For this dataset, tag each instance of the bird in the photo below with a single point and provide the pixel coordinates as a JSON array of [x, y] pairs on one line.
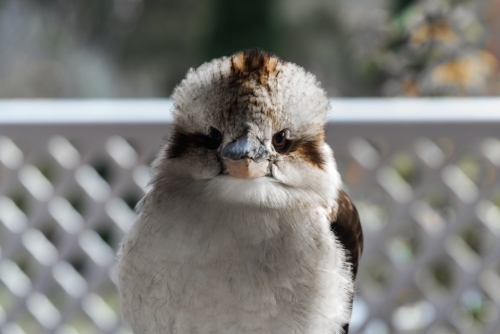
[[246, 227]]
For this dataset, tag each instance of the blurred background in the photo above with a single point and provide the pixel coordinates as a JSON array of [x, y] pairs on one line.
[[75, 149], [137, 48]]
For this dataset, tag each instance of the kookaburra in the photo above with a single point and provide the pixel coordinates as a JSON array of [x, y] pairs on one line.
[[246, 228]]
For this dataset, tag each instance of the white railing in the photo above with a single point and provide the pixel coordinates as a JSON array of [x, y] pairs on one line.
[[424, 174]]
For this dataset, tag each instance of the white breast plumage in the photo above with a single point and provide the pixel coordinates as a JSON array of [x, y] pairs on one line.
[[210, 277]]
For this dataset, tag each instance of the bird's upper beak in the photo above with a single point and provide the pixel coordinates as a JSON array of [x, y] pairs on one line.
[[245, 158]]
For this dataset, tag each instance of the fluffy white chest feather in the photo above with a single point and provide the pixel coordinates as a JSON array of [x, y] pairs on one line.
[[237, 270]]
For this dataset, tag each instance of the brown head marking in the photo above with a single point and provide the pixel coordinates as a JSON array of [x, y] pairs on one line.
[[254, 62], [181, 142], [309, 150]]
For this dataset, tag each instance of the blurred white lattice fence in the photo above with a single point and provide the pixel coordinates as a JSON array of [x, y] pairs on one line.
[[425, 176]]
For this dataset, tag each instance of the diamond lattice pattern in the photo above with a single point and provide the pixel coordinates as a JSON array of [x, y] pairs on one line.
[[428, 196]]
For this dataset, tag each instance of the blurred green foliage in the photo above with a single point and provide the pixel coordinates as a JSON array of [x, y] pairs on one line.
[[239, 25], [139, 48]]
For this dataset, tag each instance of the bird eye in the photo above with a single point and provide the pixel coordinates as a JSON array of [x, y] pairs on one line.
[[214, 139], [279, 140]]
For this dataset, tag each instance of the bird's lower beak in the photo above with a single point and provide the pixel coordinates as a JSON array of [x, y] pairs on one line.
[[246, 168], [245, 158]]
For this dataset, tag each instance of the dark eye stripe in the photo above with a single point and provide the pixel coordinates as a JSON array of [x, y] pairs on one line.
[[181, 142], [309, 150]]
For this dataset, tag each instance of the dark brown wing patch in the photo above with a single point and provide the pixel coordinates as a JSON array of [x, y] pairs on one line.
[[347, 227]]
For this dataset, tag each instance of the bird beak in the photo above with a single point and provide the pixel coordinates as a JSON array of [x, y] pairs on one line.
[[245, 158]]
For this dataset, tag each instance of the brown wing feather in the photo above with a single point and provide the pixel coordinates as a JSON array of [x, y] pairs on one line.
[[347, 227]]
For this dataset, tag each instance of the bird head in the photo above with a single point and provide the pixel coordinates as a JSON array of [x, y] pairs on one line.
[[249, 127]]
